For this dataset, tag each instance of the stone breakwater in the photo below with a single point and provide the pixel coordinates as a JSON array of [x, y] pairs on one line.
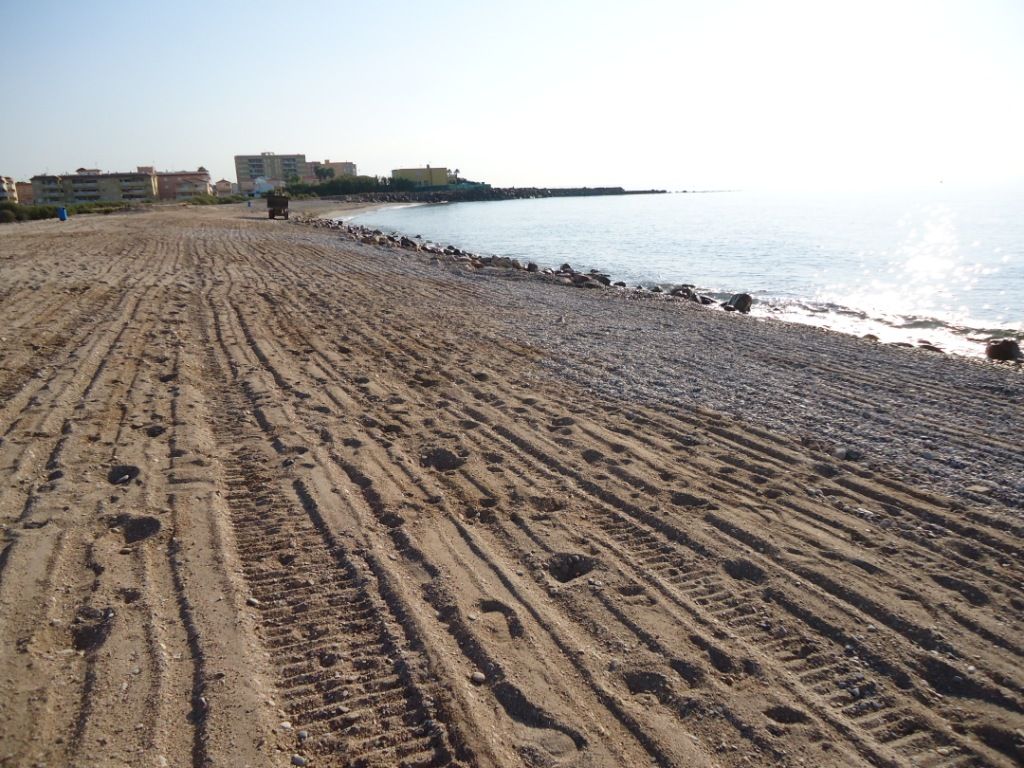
[[484, 193], [564, 275]]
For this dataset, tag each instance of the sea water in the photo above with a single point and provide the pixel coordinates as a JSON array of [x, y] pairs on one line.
[[941, 266]]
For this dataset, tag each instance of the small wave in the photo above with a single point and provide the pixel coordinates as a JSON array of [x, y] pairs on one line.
[[957, 338], [919, 323], [349, 217], [841, 288]]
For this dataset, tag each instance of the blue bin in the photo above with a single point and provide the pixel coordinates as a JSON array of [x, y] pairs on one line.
[[62, 214]]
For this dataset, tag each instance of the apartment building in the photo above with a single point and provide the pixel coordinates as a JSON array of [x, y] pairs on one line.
[[90, 185], [181, 185], [48, 190], [274, 169], [424, 177], [340, 168], [25, 194], [192, 187], [8, 190]]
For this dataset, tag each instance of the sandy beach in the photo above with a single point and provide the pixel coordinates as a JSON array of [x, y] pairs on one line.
[[272, 497]]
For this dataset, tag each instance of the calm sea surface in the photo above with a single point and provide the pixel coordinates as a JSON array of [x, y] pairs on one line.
[[942, 266]]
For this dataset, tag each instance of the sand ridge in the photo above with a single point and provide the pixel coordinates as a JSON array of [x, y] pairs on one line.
[[273, 497]]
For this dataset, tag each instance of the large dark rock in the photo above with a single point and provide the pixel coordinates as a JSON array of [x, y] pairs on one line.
[[1002, 349], [739, 302], [684, 292]]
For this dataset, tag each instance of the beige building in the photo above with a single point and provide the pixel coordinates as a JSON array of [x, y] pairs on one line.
[[90, 185], [425, 177], [8, 189], [181, 185], [48, 190], [340, 169], [189, 188], [224, 188], [272, 168], [25, 194]]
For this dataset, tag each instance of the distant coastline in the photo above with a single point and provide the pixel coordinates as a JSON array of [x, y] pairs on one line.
[[483, 193], [724, 254]]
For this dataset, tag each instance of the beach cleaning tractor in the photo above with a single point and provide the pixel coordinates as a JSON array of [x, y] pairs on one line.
[[277, 205]]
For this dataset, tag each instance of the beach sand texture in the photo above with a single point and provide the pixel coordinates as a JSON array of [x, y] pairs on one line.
[[273, 497]]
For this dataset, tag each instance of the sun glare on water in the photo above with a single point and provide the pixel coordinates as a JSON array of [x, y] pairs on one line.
[[925, 276]]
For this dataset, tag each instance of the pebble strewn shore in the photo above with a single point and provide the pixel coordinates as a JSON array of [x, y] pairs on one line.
[[950, 423]]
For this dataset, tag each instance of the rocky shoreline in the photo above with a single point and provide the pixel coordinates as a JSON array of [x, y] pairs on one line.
[[1003, 350], [563, 275]]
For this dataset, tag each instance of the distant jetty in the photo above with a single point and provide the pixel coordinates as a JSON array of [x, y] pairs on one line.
[[481, 192]]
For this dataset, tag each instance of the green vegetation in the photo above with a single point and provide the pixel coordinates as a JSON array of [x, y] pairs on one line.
[[19, 212], [14, 212], [100, 207], [352, 185]]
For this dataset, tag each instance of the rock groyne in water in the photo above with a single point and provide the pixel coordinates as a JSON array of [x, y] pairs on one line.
[[483, 193]]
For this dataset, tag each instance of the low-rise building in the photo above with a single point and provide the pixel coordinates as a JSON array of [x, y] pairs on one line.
[[423, 177], [268, 165], [343, 168], [224, 188], [181, 185], [90, 185], [25, 194], [48, 190], [8, 190], [189, 188]]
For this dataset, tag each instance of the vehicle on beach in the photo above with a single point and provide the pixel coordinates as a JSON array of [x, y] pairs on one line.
[[277, 205]]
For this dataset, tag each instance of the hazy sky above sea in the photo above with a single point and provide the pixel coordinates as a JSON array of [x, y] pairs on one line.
[[677, 95]]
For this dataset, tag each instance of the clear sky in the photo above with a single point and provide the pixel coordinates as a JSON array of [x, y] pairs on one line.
[[684, 94]]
